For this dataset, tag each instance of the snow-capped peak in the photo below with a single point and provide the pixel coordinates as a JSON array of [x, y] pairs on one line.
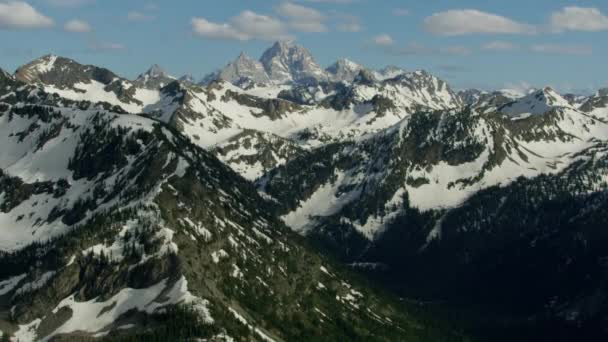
[[388, 72], [32, 71], [344, 70], [243, 68], [154, 78], [536, 103], [287, 62]]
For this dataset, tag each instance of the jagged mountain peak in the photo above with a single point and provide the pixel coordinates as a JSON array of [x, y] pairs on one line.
[[187, 78], [471, 96], [31, 71], [388, 72], [4, 74], [344, 70], [287, 62], [154, 78], [241, 69], [364, 77], [156, 70], [536, 103]]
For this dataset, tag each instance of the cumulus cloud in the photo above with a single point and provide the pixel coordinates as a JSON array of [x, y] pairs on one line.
[[578, 19], [18, 15], [246, 26], [562, 49], [302, 18], [471, 21], [69, 3], [499, 45], [77, 26], [383, 40], [348, 22]]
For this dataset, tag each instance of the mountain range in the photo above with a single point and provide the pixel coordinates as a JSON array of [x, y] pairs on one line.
[[263, 202]]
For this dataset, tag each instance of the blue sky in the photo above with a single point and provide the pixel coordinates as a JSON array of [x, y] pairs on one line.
[[487, 44]]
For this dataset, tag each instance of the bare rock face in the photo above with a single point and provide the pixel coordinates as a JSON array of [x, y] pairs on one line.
[[286, 62], [344, 70], [154, 78]]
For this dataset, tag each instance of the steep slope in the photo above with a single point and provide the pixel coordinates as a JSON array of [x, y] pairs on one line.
[[287, 62], [597, 105], [471, 96], [78, 82], [244, 68], [121, 228], [536, 103], [499, 217], [253, 153], [438, 158], [344, 70], [529, 256], [388, 72], [153, 78]]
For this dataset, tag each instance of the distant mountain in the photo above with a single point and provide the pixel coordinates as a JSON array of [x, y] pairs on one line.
[[288, 62], [72, 80], [116, 226], [154, 78], [536, 103], [121, 200], [471, 96], [597, 104], [344, 70], [244, 68], [187, 79], [388, 73]]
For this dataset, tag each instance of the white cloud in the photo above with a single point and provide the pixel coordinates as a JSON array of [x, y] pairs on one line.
[[562, 49], [69, 3], [499, 45], [578, 19], [77, 26], [246, 26], [15, 15], [302, 18], [347, 22], [401, 12], [469, 21], [522, 87], [204, 28], [383, 40], [139, 16]]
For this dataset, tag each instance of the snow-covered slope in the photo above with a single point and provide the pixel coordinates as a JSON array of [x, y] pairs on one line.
[[246, 68], [107, 221], [597, 105], [154, 79], [78, 82], [344, 70], [536, 103], [436, 159], [288, 62]]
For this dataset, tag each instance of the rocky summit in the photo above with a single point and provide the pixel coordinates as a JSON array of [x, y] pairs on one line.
[[277, 200]]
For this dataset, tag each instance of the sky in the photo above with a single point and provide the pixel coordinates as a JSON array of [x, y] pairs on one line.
[[487, 44]]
